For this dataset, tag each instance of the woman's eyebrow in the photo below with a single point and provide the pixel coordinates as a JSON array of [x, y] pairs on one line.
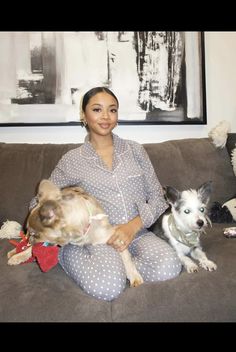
[[102, 105]]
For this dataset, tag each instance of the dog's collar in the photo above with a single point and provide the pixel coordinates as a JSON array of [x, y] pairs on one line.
[[87, 228], [189, 239], [92, 217]]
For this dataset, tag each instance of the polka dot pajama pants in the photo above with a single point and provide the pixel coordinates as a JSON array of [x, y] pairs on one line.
[[100, 272]]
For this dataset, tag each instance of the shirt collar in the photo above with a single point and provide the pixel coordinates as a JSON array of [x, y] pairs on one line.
[[120, 146]]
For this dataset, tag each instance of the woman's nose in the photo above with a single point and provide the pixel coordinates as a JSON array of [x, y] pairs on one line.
[[105, 114]]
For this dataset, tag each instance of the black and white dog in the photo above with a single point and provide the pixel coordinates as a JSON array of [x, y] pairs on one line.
[[184, 222]]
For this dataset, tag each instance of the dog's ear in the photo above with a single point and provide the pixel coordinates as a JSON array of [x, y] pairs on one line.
[[171, 194], [205, 191], [68, 196], [48, 190]]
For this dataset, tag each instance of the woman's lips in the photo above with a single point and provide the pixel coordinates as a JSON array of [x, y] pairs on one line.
[[104, 125]]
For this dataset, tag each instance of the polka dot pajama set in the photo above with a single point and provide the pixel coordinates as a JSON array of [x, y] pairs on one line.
[[131, 188]]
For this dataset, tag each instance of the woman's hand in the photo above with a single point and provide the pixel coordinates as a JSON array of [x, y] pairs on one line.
[[124, 234]]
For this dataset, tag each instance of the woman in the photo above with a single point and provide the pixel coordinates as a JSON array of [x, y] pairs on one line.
[[120, 175]]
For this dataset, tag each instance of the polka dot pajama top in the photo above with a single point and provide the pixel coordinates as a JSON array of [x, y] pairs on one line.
[[131, 188]]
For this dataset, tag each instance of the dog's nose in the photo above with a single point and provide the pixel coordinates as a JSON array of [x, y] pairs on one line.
[[200, 223]]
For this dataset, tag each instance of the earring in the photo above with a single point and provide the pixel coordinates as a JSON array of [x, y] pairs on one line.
[[84, 122]]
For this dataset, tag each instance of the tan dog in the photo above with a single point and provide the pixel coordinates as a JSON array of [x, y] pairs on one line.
[[72, 216]]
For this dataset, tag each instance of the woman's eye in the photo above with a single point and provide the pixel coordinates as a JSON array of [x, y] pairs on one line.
[[114, 111], [202, 209], [187, 211], [96, 109]]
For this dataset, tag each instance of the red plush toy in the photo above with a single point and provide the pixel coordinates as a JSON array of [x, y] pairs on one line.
[[45, 254]]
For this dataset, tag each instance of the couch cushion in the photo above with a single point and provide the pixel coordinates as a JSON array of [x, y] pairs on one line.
[[29, 295], [198, 297], [22, 168], [188, 163]]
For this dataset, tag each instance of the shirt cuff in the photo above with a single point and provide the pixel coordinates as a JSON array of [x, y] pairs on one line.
[[147, 216], [33, 203]]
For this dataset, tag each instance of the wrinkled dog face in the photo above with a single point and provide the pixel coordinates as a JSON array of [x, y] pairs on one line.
[[45, 222], [61, 216], [48, 191]]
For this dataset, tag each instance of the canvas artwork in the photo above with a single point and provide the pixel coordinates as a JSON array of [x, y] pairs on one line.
[[158, 77]]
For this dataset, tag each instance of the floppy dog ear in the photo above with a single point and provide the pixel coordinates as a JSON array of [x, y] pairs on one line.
[[171, 194], [48, 190], [205, 191]]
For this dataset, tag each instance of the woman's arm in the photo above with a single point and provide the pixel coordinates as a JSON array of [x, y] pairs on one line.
[[150, 208], [61, 175], [154, 205]]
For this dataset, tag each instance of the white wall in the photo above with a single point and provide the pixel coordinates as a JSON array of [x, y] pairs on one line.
[[220, 53]]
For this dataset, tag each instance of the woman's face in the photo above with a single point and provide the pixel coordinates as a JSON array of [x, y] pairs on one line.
[[101, 114]]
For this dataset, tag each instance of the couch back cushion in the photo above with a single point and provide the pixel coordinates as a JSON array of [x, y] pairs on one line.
[[187, 163], [22, 167], [180, 163]]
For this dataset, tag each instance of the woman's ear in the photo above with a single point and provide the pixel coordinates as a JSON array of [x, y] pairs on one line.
[[83, 119]]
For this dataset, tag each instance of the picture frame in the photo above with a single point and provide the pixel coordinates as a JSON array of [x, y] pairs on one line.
[[158, 77]]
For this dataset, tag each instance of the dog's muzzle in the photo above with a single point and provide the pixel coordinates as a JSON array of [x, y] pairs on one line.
[[200, 223]]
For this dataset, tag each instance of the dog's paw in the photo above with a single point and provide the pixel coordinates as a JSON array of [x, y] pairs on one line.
[[230, 232], [14, 260], [192, 268], [136, 282], [21, 257], [208, 265], [11, 253]]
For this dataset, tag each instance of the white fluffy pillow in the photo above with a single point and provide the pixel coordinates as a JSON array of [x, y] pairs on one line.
[[231, 205], [219, 134], [233, 160]]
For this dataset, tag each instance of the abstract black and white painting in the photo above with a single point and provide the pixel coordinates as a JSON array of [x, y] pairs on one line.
[[158, 77]]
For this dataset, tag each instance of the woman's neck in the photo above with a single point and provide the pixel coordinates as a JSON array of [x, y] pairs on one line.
[[104, 148], [101, 142]]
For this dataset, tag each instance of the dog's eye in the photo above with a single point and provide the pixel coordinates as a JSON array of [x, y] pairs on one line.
[[202, 209], [187, 211]]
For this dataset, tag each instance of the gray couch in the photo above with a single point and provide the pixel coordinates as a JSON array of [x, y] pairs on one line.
[[29, 295]]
